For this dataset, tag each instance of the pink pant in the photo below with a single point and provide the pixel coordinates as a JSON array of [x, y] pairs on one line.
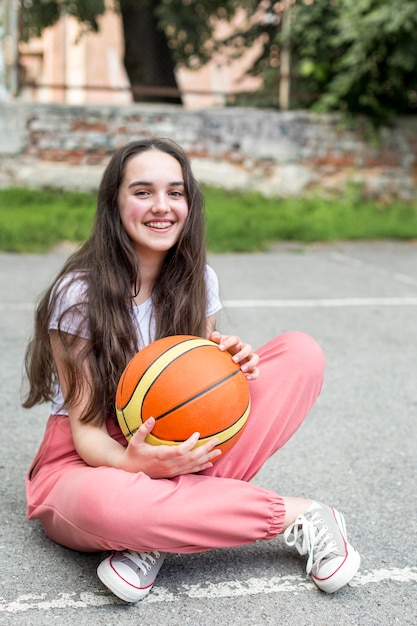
[[103, 508]]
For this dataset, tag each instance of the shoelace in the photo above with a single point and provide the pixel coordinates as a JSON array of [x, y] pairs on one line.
[[308, 538], [140, 559]]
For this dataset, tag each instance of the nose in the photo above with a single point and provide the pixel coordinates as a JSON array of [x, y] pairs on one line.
[[161, 204]]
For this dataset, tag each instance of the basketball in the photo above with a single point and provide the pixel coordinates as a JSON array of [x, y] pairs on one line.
[[188, 385]]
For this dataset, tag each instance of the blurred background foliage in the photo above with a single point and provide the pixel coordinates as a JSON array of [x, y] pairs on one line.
[[354, 56], [38, 220]]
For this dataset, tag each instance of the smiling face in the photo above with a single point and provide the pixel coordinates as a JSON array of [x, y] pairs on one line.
[[152, 202]]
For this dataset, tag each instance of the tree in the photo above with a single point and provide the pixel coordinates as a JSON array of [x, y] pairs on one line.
[[358, 56], [148, 59], [354, 56], [158, 35]]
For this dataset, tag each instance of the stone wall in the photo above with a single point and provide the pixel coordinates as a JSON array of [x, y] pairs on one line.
[[274, 152]]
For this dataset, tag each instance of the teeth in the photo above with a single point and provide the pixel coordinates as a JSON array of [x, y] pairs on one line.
[[160, 225]]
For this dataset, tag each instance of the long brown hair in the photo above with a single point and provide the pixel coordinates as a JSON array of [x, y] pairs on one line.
[[111, 271]]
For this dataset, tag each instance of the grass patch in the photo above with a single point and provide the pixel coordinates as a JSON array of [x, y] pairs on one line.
[[250, 222], [35, 221]]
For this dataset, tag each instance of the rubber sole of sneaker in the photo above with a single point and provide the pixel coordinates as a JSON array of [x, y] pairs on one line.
[[118, 586], [343, 575]]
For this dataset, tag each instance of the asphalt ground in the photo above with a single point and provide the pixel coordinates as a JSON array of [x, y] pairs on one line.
[[356, 450]]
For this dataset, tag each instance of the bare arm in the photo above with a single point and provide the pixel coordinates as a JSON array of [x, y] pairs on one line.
[[211, 325]]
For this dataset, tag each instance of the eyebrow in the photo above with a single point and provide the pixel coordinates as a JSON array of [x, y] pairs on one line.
[[144, 183]]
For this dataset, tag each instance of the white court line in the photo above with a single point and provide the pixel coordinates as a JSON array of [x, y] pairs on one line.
[[229, 589], [360, 263], [298, 303], [322, 302]]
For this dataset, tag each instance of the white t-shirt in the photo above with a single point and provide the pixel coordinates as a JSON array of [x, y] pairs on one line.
[[74, 294]]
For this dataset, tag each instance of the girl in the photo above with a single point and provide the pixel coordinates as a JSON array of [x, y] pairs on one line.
[[143, 275]]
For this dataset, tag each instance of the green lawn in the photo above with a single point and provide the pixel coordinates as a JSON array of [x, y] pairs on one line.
[[35, 221]]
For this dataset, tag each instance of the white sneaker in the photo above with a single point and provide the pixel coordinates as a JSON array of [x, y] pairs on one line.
[[321, 534], [130, 575]]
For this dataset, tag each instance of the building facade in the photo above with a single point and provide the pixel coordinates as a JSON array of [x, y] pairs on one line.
[[69, 66]]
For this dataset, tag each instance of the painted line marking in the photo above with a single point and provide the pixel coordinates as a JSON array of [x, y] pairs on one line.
[[406, 279], [279, 303], [230, 589], [322, 302]]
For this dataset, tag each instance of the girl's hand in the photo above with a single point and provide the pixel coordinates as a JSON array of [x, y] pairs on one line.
[[242, 353], [167, 461]]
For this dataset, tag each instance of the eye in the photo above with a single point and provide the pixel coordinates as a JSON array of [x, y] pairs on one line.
[[142, 193], [175, 193]]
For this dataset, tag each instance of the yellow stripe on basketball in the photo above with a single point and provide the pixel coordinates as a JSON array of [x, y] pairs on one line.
[[153, 371], [223, 436]]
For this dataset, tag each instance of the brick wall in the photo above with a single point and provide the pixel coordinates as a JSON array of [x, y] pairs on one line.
[[275, 152]]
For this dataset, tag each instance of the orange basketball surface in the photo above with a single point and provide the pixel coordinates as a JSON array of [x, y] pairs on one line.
[[187, 384]]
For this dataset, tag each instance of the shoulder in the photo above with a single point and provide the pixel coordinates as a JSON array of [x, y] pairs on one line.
[[212, 286], [69, 301], [210, 275], [69, 290], [212, 281]]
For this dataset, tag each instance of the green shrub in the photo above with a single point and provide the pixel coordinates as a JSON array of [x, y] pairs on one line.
[[35, 221]]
